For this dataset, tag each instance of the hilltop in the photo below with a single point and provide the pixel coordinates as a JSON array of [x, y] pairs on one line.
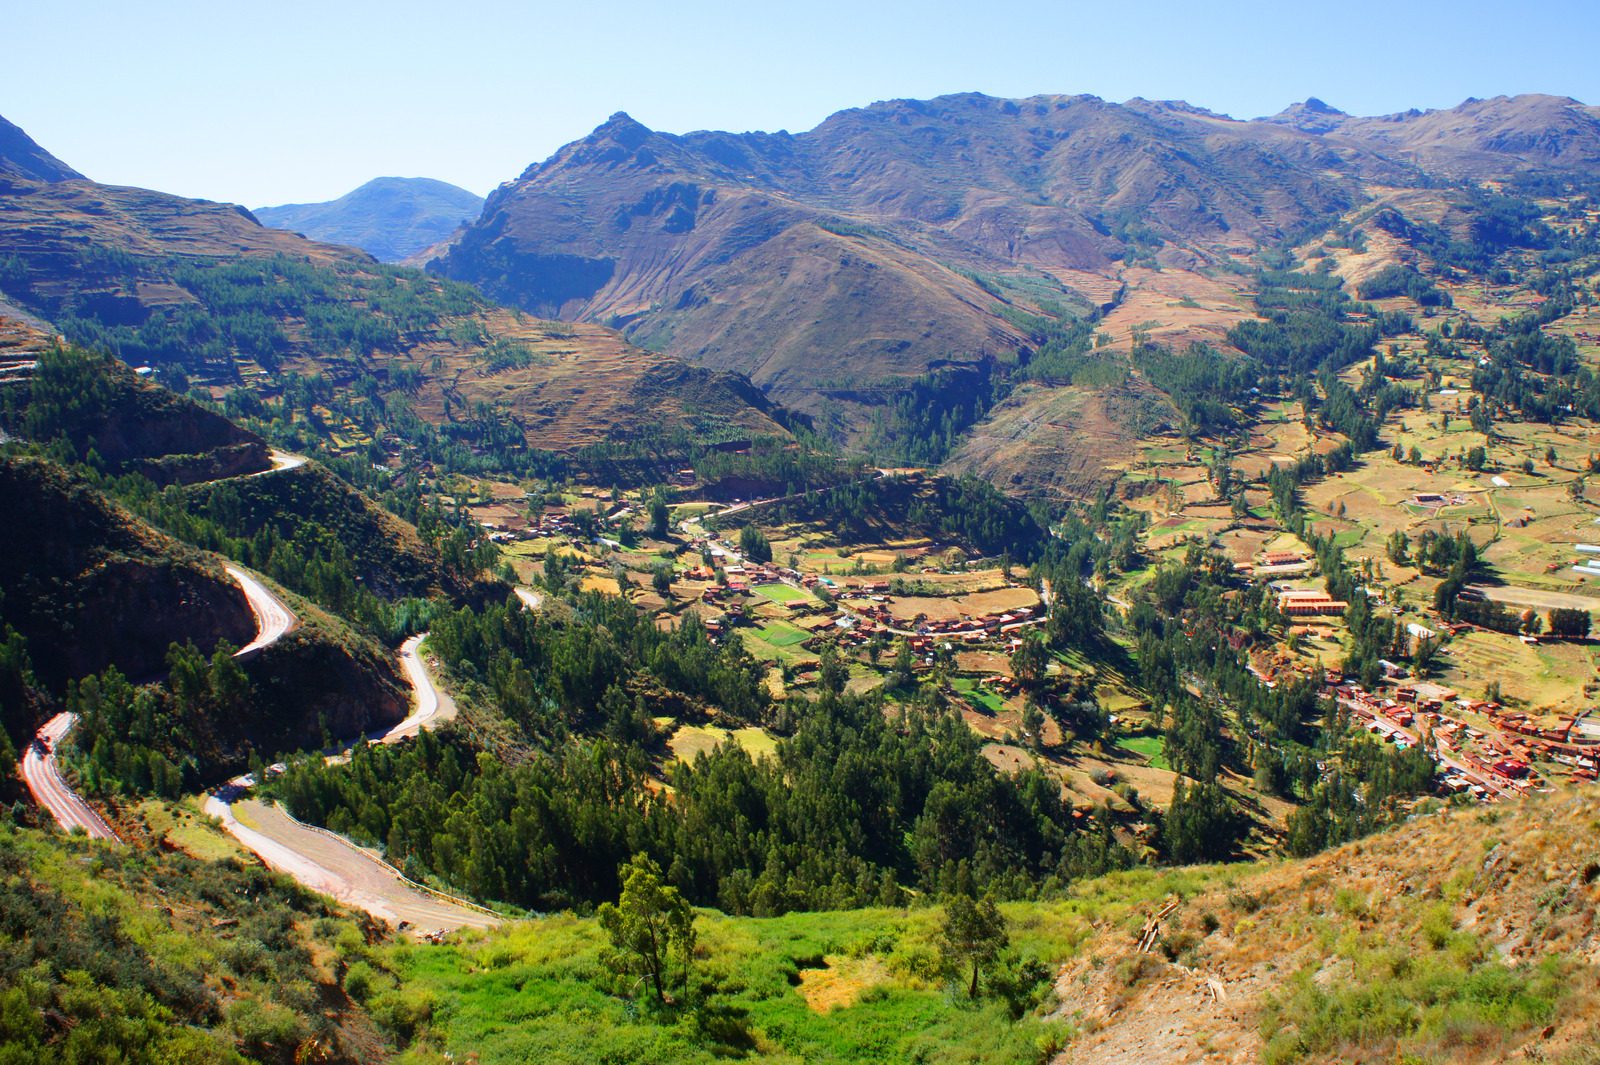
[[391, 218]]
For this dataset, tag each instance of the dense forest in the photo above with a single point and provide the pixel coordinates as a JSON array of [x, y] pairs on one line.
[[856, 808]]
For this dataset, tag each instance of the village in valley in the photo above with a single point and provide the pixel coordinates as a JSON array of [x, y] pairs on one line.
[[1503, 690], [1499, 689]]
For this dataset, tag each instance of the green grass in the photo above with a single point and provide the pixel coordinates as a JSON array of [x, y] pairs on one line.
[[782, 634], [1350, 537], [1147, 747], [979, 694], [1441, 998], [784, 593], [538, 992], [128, 954]]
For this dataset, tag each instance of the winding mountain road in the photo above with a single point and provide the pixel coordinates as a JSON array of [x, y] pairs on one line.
[[44, 781], [333, 865], [42, 774], [316, 858], [273, 619]]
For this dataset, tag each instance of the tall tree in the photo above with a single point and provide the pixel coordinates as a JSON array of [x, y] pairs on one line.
[[974, 933], [649, 926]]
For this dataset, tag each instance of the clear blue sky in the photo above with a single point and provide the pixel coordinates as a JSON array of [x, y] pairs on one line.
[[265, 103]]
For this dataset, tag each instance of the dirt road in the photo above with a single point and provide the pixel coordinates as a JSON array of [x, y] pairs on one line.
[[336, 867], [281, 460], [429, 706], [50, 791], [1535, 597]]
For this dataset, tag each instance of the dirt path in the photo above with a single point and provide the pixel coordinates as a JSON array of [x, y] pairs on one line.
[[1535, 597], [332, 865]]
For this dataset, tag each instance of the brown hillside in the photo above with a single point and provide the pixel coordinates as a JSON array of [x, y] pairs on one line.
[[108, 261], [885, 242], [833, 264], [1462, 936], [1066, 442], [584, 384]]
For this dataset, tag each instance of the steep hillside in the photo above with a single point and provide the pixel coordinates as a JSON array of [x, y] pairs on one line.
[[1467, 936], [1462, 937], [391, 218], [21, 157], [205, 294], [1062, 441], [90, 586], [100, 406], [164, 957], [309, 508]]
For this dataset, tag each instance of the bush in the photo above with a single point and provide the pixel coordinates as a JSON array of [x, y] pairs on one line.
[[358, 981]]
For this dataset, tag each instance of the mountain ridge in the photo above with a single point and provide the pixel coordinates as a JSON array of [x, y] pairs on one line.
[[896, 238], [21, 156]]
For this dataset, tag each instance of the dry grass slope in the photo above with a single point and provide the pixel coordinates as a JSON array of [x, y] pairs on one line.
[[1461, 936]]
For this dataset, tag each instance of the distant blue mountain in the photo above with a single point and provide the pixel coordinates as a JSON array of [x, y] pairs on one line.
[[390, 217]]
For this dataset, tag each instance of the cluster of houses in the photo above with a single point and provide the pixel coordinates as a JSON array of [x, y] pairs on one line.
[[551, 522], [1565, 742], [1501, 758], [862, 613], [1389, 720]]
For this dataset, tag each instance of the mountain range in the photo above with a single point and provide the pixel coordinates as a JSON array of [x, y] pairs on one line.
[[392, 218], [837, 265]]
